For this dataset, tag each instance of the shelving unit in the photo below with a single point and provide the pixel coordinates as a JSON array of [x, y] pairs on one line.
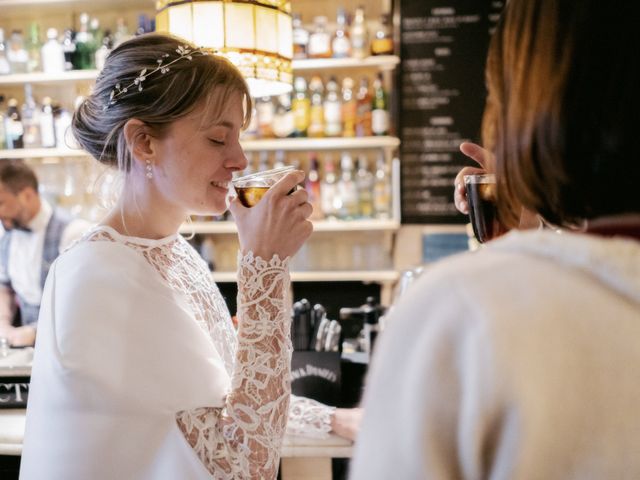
[[377, 232], [382, 62], [22, 153], [72, 76]]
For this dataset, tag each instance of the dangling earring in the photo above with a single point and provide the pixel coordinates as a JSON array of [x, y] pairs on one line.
[[149, 171]]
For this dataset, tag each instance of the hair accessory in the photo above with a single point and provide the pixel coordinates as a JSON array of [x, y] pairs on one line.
[[183, 52], [149, 171]]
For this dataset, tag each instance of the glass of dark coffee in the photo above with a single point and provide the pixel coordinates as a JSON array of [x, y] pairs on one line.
[[481, 197]]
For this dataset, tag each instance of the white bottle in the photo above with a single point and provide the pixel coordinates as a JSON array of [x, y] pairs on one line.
[[347, 189], [30, 119], [52, 53], [47, 125], [62, 124], [5, 68], [332, 110]]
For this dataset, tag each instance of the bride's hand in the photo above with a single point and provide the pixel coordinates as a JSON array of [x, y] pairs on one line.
[[278, 224]]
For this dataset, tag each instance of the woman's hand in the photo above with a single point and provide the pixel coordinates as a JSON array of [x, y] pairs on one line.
[[484, 159], [345, 422], [277, 224]]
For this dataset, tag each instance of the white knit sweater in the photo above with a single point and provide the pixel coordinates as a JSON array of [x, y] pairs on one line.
[[521, 361]]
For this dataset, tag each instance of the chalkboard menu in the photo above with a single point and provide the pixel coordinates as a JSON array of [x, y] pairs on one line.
[[442, 94]]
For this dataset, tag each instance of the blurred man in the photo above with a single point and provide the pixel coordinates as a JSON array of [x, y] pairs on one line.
[[35, 234]]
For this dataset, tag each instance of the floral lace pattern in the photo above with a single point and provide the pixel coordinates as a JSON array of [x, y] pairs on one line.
[[309, 418], [243, 439]]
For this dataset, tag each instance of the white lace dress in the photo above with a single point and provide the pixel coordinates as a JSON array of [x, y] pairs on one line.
[[234, 441]]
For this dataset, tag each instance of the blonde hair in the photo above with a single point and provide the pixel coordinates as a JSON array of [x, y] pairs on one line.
[[99, 127]]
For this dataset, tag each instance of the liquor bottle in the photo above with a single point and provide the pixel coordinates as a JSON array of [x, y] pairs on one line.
[[347, 190], [316, 111], [62, 125], [263, 161], [69, 48], [52, 53], [313, 188], [328, 192], [251, 131], [382, 43], [279, 161], [365, 185], [301, 106], [332, 110], [341, 43], [84, 56], [319, 40], [16, 53], [382, 190], [5, 68], [96, 35], [13, 126], [30, 120], [363, 109], [122, 32], [300, 37], [379, 112], [349, 108], [103, 52], [359, 35], [3, 135], [266, 111], [47, 125], [33, 46], [283, 121]]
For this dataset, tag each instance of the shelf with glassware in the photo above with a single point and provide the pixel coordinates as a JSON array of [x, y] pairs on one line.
[[386, 62], [271, 145]]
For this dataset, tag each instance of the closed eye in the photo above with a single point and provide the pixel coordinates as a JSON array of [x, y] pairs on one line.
[[216, 142]]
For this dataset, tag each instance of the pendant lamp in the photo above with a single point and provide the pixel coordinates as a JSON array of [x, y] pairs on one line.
[[256, 35]]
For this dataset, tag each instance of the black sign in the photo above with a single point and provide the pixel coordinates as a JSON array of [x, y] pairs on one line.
[[14, 392], [442, 95]]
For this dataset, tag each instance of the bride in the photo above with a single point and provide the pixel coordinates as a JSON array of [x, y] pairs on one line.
[[138, 371]]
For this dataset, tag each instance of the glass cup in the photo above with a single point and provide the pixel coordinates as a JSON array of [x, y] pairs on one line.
[[483, 213], [251, 188]]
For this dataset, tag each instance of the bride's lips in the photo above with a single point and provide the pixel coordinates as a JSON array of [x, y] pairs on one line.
[[223, 185]]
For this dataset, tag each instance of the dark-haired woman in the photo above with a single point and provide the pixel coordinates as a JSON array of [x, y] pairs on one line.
[[521, 360]]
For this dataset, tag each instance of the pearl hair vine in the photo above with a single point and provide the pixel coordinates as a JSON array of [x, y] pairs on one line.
[[182, 51]]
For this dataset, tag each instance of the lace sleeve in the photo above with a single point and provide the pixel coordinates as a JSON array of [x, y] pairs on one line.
[[309, 418], [243, 439]]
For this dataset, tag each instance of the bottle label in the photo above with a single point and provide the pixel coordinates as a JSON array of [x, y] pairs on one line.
[[380, 122], [341, 47], [283, 125], [301, 114], [319, 45], [332, 118]]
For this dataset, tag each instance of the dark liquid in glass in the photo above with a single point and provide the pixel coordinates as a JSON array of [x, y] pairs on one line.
[[249, 196], [482, 210]]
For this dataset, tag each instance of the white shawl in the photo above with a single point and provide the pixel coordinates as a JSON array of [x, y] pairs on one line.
[[118, 354]]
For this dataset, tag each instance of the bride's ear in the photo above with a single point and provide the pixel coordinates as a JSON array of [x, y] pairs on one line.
[[139, 140]]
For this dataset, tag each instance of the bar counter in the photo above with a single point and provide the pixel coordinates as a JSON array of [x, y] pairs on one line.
[[302, 458]]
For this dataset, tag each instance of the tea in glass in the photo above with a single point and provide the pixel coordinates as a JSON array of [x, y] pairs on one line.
[[251, 188]]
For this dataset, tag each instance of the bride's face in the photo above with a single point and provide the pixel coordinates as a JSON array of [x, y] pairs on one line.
[[197, 155]]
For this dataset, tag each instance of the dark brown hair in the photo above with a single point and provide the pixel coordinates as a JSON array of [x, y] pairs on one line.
[[15, 176], [164, 98], [564, 99]]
